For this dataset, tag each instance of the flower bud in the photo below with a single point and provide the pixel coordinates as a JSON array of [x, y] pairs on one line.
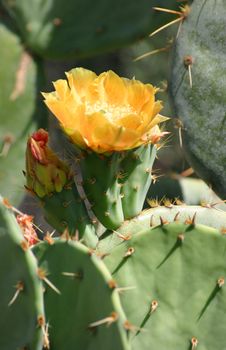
[[45, 172]]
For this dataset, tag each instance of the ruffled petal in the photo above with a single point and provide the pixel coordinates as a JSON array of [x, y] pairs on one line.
[[97, 131], [80, 80], [127, 140], [105, 113], [112, 88], [130, 121], [139, 94], [152, 116], [62, 89]]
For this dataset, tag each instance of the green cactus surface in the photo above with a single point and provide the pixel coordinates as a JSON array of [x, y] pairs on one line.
[[137, 177], [84, 296], [65, 211], [50, 180], [19, 103], [21, 302], [101, 185], [82, 28], [168, 213], [116, 185], [177, 299], [200, 104]]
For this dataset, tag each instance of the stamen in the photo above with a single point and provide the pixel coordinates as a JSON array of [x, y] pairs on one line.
[[110, 111]]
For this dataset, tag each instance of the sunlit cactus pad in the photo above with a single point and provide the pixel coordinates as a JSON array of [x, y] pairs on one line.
[[179, 297], [81, 295], [207, 215]]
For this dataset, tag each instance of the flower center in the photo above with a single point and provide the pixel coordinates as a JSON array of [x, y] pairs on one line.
[[111, 112]]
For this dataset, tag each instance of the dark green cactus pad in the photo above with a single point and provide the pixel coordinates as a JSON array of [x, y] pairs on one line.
[[86, 296], [21, 302], [82, 28], [65, 211], [100, 175], [201, 48], [137, 169], [20, 76], [179, 296], [116, 185]]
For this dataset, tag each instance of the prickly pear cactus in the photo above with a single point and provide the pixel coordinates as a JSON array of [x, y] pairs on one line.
[[200, 100], [206, 214], [81, 28], [50, 180], [109, 209], [176, 273], [113, 126], [19, 106], [21, 301], [137, 170], [191, 191], [81, 303], [152, 279], [124, 186]]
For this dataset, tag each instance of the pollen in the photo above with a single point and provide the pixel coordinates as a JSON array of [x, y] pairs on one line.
[[110, 111]]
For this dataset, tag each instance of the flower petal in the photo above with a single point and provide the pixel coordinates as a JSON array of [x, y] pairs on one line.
[[80, 79], [112, 88], [97, 131], [139, 94], [62, 89], [105, 113], [154, 118], [130, 121]]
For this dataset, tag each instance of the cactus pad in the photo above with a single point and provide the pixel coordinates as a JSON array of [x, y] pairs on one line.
[[137, 167], [201, 49], [204, 215], [21, 302], [178, 273], [82, 28], [20, 75], [85, 298]]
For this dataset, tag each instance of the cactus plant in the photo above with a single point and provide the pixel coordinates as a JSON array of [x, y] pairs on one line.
[[100, 115], [21, 75], [200, 50], [89, 307], [41, 32], [117, 277], [162, 214], [51, 181], [81, 28], [21, 301], [180, 294], [127, 181]]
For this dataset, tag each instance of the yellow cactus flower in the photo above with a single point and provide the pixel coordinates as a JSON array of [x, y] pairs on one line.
[[105, 113]]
